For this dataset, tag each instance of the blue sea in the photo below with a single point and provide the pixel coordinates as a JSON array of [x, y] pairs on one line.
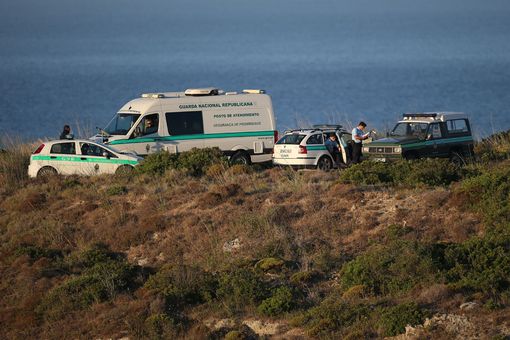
[[322, 61]]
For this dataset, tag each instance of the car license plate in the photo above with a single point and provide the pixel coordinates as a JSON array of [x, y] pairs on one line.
[[379, 159]]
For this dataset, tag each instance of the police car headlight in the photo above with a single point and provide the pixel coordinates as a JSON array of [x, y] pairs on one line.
[[397, 149], [365, 149]]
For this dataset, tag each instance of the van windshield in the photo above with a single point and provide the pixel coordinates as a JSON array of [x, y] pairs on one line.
[[291, 139], [121, 123]]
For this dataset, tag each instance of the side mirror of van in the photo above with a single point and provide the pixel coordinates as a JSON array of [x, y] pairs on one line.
[[106, 154]]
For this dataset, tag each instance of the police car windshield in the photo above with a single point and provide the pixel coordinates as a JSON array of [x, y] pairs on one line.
[[291, 139], [417, 130], [121, 123]]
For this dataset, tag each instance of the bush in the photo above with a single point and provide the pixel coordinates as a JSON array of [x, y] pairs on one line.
[[100, 277], [391, 268], [160, 326], [270, 263], [480, 264], [35, 252], [281, 301], [240, 288], [183, 285], [332, 317], [489, 194], [394, 319], [14, 161], [115, 190], [157, 163], [494, 148], [428, 171], [195, 162]]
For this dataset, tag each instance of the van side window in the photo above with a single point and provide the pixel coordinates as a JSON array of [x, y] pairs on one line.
[[315, 139], [64, 148], [185, 123], [457, 126], [147, 126]]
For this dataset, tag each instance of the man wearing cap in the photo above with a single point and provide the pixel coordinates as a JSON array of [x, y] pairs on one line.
[[333, 148], [358, 137]]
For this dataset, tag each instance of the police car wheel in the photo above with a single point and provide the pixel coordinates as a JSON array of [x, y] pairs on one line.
[[240, 157], [124, 170], [46, 171], [325, 163]]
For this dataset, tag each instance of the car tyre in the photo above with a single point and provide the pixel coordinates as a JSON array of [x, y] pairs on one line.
[[240, 157], [457, 159], [325, 163], [124, 170], [46, 171]]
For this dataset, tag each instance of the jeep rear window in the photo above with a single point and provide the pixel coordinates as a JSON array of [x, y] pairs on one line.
[[293, 138]]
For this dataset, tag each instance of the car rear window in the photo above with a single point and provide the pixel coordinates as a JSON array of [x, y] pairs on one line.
[[293, 138]]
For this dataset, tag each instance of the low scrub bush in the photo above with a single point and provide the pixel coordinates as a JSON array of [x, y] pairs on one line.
[[160, 326], [240, 288], [35, 252], [14, 161], [183, 285], [332, 317], [281, 301], [393, 320], [195, 162], [99, 276], [489, 194], [390, 268], [429, 171], [480, 264], [494, 148]]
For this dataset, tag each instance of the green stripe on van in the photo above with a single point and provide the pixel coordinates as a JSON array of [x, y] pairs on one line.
[[198, 136], [87, 160]]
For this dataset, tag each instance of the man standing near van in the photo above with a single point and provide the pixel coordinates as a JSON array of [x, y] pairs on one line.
[[358, 137]]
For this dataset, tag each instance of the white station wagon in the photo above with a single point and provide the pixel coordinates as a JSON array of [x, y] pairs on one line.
[[305, 148], [78, 157]]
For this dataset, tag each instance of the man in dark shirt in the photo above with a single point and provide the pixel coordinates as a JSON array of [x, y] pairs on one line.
[[333, 148], [66, 133]]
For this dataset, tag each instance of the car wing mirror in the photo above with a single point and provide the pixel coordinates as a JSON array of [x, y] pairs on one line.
[[106, 154], [429, 136]]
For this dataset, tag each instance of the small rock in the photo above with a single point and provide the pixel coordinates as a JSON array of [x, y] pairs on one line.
[[143, 262], [231, 246], [161, 257], [468, 305], [263, 328]]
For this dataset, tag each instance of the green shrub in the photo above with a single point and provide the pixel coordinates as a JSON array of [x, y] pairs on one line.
[[391, 268], [489, 194], [394, 319], [428, 171], [115, 190], [183, 285], [480, 264], [281, 301], [332, 317], [270, 263], [35, 252], [196, 161], [304, 277], [100, 276], [160, 326], [239, 288], [494, 148], [157, 163]]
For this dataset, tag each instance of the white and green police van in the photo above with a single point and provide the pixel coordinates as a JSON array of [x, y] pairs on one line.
[[306, 148], [242, 125]]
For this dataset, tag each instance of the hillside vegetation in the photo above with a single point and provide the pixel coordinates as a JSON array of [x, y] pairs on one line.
[[190, 247]]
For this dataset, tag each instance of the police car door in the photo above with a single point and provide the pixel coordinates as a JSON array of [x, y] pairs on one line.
[[344, 139], [145, 137], [62, 157], [96, 160]]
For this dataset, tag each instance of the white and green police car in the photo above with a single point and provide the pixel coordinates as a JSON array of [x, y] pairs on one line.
[[306, 148], [78, 157]]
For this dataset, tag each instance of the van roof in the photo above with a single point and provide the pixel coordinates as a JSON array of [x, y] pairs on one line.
[[199, 92]]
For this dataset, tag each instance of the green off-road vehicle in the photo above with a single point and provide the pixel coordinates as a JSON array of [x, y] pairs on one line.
[[431, 134]]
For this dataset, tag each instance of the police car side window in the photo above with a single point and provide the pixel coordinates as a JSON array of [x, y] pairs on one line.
[[315, 139], [64, 148], [89, 149], [185, 123]]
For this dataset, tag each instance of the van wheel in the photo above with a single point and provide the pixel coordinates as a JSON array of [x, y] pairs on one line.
[[240, 157], [46, 171], [325, 163], [124, 170], [457, 159]]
